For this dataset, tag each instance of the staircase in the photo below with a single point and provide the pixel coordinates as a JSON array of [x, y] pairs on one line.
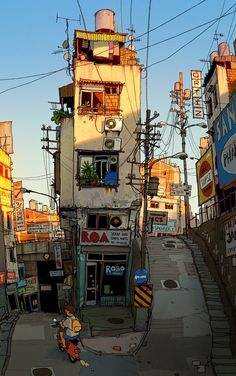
[[223, 362]]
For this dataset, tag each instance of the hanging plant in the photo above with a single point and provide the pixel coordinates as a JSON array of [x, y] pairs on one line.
[[58, 115]]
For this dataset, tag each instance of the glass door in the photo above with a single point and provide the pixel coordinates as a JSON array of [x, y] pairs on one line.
[[91, 285]]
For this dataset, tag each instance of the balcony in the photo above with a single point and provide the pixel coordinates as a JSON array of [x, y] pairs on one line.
[[110, 181]]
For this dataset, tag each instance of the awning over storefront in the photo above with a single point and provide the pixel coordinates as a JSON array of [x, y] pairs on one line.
[[103, 249]]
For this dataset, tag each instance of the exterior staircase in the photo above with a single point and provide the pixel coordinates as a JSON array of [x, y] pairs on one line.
[[222, 359]]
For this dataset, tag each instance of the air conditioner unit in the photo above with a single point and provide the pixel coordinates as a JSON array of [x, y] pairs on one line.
[[112, 143], [113, 124], [113, 159], [115, 222]]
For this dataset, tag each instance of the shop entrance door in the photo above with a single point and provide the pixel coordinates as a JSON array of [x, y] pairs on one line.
[[91, 285]]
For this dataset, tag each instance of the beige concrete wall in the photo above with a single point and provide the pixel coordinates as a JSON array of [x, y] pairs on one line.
[[67, 163], [89, 130]]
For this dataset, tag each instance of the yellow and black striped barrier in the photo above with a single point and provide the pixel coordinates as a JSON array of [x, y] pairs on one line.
[[143, 295]]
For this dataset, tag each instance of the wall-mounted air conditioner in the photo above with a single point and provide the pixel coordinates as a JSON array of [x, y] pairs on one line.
[[118, 221], [113, 124], [115, 222], [114, 159], [112, 143]]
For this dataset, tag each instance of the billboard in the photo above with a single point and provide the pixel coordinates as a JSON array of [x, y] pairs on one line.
[[225, 143], [205, 177]]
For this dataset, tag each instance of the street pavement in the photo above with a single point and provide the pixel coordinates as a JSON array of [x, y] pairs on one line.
[[34, 346]]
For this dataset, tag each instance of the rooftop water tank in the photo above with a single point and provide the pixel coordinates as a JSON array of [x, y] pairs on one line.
[[213, 55], [104, 20], [33, 204], [223, 49]]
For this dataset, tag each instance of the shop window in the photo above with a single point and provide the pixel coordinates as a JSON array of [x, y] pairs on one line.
[[96, 221], [92, 101], [154, 205], [113, 283], [169, 206]]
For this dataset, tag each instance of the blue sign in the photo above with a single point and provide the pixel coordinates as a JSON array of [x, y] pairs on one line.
[[141, 276], [225, 143]]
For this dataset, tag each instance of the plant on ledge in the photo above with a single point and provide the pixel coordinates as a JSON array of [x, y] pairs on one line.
[[89, 174], [58, 115]]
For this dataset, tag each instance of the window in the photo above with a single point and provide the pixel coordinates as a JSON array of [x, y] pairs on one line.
[[97, 221], [154, 204], [111, 90], [104, 170], [92, 100], [169, 206], [215, 98], [209, 108]]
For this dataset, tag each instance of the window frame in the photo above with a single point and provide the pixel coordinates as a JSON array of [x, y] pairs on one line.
[[92, 91], [97, 216], [169, 204]]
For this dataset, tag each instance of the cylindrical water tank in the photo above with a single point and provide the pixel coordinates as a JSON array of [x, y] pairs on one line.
[[104, 20], [33, 204], [213, 55], [223, 49]]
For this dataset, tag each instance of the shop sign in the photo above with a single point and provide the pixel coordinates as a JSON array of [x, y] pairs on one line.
[[230, 237], [158, 217], [115, 270], [108, 237], [2, 278], [32, 285], [170, 228], [205, 177], [39, 228], [58, 259], [19, 213], [56, 273], [5, 197], [197, 101], [225, 143]]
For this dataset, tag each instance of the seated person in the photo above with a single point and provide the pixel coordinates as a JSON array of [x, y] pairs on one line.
[[70, 327]]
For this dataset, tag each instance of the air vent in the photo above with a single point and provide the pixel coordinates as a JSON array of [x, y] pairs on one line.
[[112, 144], [114, 159], [113, 124], [116, 222]]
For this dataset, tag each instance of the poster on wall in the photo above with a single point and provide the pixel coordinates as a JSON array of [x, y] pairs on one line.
[[225, 143], [230, 237], [205, 177]]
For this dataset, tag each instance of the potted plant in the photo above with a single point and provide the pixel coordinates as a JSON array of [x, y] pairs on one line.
[[88, 174], [58, 115]]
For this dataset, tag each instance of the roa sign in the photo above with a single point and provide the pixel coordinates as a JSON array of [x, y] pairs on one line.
[[105, 237]]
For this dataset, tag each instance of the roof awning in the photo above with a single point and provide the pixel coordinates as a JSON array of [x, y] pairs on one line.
[[66, 91], [84, 81], [116, 37]]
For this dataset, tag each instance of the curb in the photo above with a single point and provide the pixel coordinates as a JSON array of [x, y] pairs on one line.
[[8, 353]]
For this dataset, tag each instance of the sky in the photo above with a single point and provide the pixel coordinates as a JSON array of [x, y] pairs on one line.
[[30, 33]]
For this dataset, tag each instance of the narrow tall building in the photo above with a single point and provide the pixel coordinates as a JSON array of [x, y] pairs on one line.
[[96, 203]]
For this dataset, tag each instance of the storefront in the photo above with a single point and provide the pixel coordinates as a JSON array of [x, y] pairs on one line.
[[28, 294], [104, 268]]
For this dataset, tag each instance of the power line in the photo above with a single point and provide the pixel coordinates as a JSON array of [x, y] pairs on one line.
[[173, 18], [30, 82], [30, 76], [189, 42]]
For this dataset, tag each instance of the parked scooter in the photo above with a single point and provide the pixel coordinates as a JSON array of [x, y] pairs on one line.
[[71, 346]]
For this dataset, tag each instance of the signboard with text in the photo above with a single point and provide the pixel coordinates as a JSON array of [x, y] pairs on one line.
[[197, 101], [230, 237], [158, 217], [19, 206], [205, 177], [170, 228], [180, 189], [105, 237], [225, 143], [58, 258], [39, 228]]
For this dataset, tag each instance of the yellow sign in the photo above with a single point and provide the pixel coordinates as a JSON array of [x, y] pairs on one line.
[[100, 36], [143, 295], [205, 177]]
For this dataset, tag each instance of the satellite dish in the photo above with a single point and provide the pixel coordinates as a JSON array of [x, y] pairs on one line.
[[65, 44], [131, 47], [67, 56]]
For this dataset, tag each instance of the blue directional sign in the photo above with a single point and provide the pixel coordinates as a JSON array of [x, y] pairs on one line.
[[141, 276]]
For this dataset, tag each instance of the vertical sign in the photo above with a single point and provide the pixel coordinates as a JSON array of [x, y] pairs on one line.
[[19, 206], [58, 259], [196, 77]]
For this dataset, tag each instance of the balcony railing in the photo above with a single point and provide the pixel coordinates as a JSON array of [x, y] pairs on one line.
[[99, 110]]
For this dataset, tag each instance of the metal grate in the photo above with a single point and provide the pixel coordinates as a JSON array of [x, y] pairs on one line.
[[42, 371]]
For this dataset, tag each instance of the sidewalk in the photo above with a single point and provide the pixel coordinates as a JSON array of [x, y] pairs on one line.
[[7, 326], [109, 330]]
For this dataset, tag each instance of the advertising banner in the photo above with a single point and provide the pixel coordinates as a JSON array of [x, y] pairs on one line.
[[19, 206], [225, 143], [105, 237], [230, 237], [205, 177], [197, 101]]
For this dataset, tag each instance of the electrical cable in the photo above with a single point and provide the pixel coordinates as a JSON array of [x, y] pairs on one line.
[[186, 44], [173, 18], [32, 81], [30, 76]]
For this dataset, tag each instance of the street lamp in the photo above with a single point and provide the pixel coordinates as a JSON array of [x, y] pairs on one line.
[[180, 155], [26, 190]]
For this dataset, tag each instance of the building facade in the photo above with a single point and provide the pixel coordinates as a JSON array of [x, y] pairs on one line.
[[96, 203]]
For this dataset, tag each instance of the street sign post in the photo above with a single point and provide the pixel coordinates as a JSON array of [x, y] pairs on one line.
[[141, 276], [180, 190]]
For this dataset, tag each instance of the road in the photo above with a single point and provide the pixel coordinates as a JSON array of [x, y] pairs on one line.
[[34, 346]]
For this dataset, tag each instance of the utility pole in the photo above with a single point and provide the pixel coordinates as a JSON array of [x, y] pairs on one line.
[[182, 123], [145, 188]]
